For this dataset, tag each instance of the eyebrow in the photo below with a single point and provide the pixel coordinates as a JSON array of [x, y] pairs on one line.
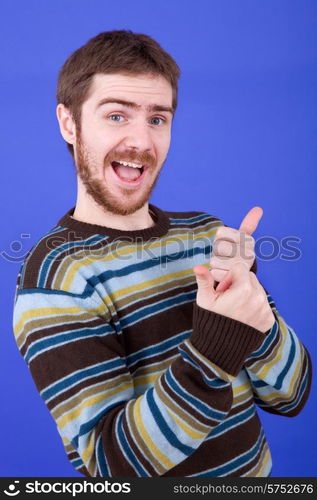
[[134, 105]]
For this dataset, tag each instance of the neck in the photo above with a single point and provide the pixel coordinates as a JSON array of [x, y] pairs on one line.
[[87, 210]]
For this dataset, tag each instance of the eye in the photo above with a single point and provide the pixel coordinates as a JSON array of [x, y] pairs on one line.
[[157, 120], [115, 117]]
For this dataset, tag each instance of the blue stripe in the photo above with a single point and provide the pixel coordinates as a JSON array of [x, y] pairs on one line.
[[77, 463], [299, 396], [50, 342], [49, 258], [236, 463], [127, 448], [263, 404], [258, 383], [157, 308], [101, 459], [86, 293], [90, 424], [78, 377], [197, 218], [280, 378], [164, 428], [266, 343], [279, 381], [216, 382], [125, 271], [148, 264], [198, 405], [232, 422], [24, 264], [147, 352]]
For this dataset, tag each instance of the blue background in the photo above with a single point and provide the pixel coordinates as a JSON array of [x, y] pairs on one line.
[[244, 135]]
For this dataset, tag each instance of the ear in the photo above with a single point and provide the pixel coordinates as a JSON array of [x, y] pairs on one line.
[[66, 124]]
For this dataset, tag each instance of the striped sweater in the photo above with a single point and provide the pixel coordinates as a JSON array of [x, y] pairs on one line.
[[139, 379]]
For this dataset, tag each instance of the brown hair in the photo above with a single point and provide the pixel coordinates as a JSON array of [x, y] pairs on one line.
[[117, 51]]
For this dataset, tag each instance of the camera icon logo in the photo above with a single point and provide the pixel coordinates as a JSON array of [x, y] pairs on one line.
[[12, 490]]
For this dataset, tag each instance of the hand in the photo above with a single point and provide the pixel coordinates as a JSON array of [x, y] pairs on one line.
[[231, 245], [243, 299]]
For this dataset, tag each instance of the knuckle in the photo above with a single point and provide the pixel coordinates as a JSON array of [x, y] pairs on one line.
[[226, 248]]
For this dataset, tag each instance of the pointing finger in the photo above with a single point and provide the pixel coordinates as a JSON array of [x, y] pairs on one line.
[[251, 220]]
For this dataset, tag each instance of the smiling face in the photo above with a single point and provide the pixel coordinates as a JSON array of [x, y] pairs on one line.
[[126, 119]]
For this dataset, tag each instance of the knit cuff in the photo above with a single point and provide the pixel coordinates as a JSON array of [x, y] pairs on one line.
[[226, 342]]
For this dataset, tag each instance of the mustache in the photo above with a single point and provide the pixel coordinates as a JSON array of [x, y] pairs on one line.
[[143, 157]]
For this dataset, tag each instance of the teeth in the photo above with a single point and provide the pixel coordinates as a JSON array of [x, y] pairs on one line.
[[128, 164]]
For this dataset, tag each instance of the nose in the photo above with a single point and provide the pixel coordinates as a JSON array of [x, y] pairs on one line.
[[139, 136]]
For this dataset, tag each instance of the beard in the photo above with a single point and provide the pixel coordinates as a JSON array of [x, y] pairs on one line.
[[97, 188]]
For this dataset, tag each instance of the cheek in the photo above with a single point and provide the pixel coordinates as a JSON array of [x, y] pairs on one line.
[[96, 141], [164, 144]]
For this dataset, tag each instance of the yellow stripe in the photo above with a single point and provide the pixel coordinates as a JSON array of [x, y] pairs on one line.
[[280, 395], [43, 311], [68, 417], [267, 366], [190, 432], [66, 285], [266, 459], [218, 371], [147, 439], [241, 388], [146, 380], [50, 311], [150, 283], [88, 451]]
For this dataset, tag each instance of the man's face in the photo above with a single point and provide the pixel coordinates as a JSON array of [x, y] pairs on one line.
[[125, 119]]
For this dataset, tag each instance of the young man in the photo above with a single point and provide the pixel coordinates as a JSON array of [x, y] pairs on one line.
[[148, 367]]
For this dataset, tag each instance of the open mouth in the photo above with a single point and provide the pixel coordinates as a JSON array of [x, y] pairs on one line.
[[128, 172]]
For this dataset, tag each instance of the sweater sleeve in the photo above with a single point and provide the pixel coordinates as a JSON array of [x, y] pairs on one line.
[[77, 360], [280, 370]]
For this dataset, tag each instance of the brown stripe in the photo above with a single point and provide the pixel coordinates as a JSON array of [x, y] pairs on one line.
[[37, 254], [101, 389], [175, 320], [221, 398], [85, 383], [278, 408], [178, 410], [154, 293], [258, 461], [54, 364], [220, 450], [43, 328], [163, 359], [72, 255]]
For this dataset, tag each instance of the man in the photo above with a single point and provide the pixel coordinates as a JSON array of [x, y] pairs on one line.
[[150, 363]]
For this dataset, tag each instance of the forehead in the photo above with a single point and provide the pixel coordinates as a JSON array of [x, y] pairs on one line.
[[142, 89]]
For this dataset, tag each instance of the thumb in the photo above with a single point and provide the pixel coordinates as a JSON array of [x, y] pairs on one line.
[[251, 220], [205, 281]]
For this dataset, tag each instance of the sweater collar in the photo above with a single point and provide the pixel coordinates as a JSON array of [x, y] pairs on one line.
[[160, 228]]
